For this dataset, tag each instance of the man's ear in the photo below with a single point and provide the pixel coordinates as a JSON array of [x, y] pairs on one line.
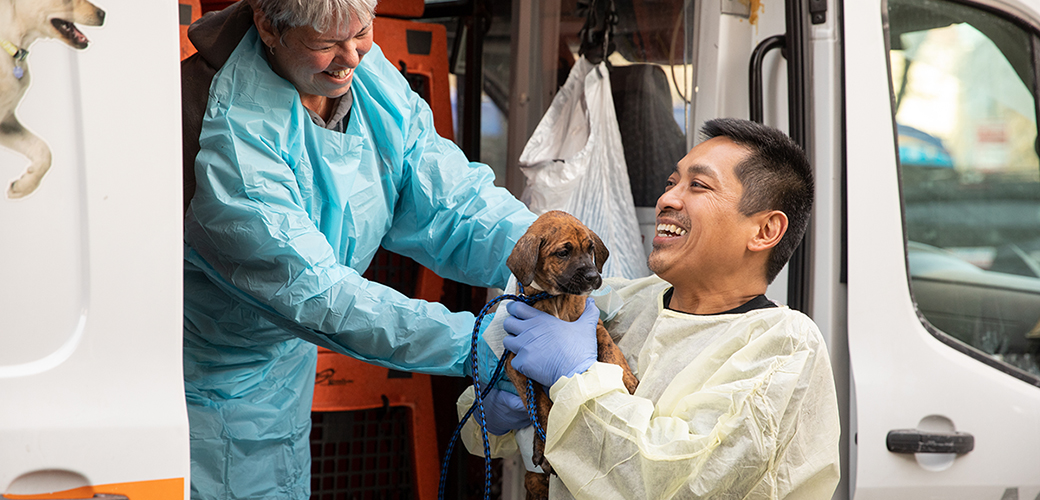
[[268, 34], [524, 258], [772, 225]]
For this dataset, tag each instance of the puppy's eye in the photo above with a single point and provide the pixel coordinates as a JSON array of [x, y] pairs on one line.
[[563, 253]]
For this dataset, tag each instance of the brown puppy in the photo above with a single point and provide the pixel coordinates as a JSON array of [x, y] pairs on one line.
[[561, 256]]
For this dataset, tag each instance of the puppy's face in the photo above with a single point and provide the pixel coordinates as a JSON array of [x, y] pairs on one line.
[[559, 255]]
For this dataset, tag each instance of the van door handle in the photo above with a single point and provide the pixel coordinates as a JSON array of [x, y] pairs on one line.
[[916, 441], [755, 103]]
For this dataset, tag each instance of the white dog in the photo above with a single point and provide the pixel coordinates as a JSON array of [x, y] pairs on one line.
[[22, 22]]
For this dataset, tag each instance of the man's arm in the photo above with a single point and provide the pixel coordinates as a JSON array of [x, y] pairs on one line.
[[733, 422]]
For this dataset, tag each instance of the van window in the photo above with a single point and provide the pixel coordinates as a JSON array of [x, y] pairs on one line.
[[963, 90]]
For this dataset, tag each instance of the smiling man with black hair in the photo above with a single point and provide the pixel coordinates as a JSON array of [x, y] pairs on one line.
[[747, 192], [736, 397]]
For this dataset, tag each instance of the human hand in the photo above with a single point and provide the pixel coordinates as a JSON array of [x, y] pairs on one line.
[[547, 347], [504, 412]]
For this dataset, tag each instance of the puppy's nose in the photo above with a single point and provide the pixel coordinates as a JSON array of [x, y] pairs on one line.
[[583, 280], [592, 277]]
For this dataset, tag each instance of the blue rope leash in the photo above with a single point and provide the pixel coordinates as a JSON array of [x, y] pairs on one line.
[[480, 394], [532, 413]]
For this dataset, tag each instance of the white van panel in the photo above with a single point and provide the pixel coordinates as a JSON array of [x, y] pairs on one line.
[[90, 301], [904, 377], [44, 250]]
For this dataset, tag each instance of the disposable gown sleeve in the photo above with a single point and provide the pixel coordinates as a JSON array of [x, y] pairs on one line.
[[719, 438], [246, 229], [450, 216]]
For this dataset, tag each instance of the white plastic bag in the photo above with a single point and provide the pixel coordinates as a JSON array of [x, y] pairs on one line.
[[575, 162]]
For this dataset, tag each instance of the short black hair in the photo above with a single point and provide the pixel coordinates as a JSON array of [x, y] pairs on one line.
[[775, 175]]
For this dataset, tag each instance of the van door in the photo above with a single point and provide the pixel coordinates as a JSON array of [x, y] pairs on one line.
[[91, 390], [943, 201]]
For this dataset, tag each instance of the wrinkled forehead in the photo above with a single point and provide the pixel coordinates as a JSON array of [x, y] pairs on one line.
[[717, 157], [350, 16], [345, 26], [334, 33]]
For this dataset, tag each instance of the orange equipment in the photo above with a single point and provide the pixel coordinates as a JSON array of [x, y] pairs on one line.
[[190, 11]]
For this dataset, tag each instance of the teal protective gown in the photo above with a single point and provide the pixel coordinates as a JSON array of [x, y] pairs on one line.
[[286, 216]]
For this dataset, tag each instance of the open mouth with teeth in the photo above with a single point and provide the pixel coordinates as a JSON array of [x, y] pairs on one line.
[[670, 231], [70, 33], [339, 75]]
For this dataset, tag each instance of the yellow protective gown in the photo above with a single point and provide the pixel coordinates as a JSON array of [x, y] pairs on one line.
[[735, 406]]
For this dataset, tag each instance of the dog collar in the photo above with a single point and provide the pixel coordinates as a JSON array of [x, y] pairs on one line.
[[19, 54], [533, 288]]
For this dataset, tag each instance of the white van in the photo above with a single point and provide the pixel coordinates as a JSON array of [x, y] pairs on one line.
[[922, 266], [91, 391]]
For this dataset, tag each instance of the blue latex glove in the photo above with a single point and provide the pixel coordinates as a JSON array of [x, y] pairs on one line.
[[547, 347], [504, 412]]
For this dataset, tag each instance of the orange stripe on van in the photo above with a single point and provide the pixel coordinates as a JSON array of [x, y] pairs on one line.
[[160, 489]]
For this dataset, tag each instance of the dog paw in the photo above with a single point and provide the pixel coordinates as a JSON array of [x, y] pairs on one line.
[[21, 188], [537, 486]]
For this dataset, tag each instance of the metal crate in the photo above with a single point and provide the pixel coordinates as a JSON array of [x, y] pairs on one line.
[[362, 455]]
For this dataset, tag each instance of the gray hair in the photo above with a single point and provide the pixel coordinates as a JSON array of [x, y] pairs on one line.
[[318, 14]]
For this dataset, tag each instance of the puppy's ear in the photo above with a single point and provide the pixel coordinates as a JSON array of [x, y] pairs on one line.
[[599, 250], [524, 259]]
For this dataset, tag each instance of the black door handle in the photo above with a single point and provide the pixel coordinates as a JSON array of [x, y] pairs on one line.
[[915, 441], [756, 106]]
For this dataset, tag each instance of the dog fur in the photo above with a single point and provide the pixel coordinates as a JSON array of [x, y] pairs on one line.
[[22, 22], [561, 256]]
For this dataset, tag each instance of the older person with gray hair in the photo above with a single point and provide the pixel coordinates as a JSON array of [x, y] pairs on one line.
[[306, 151]]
